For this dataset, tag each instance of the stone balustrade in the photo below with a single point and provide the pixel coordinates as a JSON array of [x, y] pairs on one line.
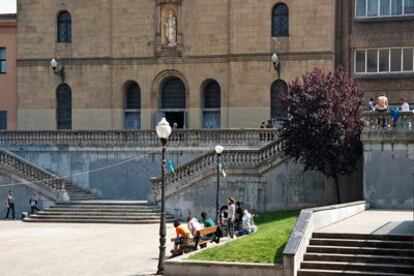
[[145, 138], [231, 159], [385, 120], [29, 172]]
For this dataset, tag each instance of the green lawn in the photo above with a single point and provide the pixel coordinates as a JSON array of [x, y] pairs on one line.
[[264, 246]]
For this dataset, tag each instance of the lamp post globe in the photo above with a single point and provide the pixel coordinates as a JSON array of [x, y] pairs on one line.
[[163, 130], [275, 59], [53, 64], [219, 149]]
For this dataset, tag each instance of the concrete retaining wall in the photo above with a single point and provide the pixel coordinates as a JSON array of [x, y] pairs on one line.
[[389, 169]]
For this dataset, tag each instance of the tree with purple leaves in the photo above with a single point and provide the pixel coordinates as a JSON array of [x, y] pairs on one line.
[[324, 123]]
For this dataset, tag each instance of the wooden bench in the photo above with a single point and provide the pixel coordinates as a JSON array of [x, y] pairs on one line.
[[204, 238]]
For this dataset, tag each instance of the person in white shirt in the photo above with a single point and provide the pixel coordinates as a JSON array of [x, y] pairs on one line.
[[194, 226], [405, 107], [248, 224]]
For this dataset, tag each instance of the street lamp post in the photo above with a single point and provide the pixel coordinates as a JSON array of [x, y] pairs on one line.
[[58, 71], [219, 150], [163, 131]]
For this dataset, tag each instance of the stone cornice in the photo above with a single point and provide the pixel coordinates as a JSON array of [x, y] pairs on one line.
[[258, 57], [381, 136]]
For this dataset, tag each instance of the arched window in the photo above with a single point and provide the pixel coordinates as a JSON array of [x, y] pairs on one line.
[[64, 107], [277, 111], [64, 27], [211, 104], [280, 20], [132, 105], [173, 101]]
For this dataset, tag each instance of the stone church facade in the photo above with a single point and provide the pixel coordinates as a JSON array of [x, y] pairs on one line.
[[122, 64]]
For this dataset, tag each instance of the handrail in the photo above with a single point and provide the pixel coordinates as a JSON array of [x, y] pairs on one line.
[[30, 172], [239, 159], [147, 138], [385, 120]]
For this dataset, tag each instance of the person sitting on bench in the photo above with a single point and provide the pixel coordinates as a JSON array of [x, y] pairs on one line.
[[183, 237], [209, 222], [194, 226]]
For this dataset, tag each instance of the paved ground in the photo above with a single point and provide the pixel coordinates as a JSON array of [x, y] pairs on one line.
[[79, 249], [375, 222]]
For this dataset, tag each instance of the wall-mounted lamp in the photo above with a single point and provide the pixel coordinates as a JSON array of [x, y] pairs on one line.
[[276, 63], [58, 71]]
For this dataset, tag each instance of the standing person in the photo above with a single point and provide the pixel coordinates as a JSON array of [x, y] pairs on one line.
[[33, 204], [382, 104], [371, 106], [231, 218], [10, 204], [405, 107], [239, 216]]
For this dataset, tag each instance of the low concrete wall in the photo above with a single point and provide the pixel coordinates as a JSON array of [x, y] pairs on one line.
[[310, 220], [191, 268]]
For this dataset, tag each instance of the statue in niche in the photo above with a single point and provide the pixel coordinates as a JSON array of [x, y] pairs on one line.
[[171, 30]]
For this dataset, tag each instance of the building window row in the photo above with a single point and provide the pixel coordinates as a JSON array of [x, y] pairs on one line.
[[2, 60], [383, 8], [384, 60], [280, 23]]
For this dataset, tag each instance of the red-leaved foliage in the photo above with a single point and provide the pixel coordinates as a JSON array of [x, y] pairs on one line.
[[324, 123]]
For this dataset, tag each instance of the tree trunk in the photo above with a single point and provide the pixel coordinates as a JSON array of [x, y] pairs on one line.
[[338, 194]]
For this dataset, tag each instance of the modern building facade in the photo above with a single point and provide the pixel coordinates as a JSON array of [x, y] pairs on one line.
[[377, 44], [8, 86], [123, 64]]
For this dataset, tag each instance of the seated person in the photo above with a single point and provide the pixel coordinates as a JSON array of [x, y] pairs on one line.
[[183, 237], [194, 226], [208, 222], [248, 224]]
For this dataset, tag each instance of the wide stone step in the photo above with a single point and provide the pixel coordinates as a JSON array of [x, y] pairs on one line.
[[360, 250], [46, 213], [97, 220], [103, 216], [358, 258], [389, 268], [104, 206], [107, 203], [87, 210], [351, 236], [320, 272], [91, 212], [362, 243]]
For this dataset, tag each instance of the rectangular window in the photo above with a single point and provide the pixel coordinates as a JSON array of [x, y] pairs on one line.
[[395, 60], [385, 7], [408, 6], [372, 61], [2, 60], [360, 61], [360, 8], [384, 58], [372, 8], [396, 7], [3, 120], [408, 59]]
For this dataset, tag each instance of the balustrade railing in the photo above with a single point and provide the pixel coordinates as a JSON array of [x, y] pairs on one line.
[[31, 173], [232, 159], [147, 138], [388, 120]]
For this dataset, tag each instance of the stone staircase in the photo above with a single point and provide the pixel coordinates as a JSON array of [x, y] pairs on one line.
[[358, 254], [100, 211]]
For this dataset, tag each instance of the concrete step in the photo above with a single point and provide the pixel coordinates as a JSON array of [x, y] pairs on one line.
[[344, 266], [116, 221], [96, 210], [350, 236], [358, 258], [103, 216], [106, 203], [360, 250], [362, 243], [88, 212], [320, 272]]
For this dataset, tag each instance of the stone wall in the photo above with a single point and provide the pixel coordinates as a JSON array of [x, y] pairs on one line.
[[389, 169], [113, 173], [284, 187]]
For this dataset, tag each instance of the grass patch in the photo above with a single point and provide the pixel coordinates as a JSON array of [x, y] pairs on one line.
[[264, 246]]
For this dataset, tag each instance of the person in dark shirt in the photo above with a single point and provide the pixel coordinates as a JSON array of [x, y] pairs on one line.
[[33, 204], [10, 204], [239, 216]]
